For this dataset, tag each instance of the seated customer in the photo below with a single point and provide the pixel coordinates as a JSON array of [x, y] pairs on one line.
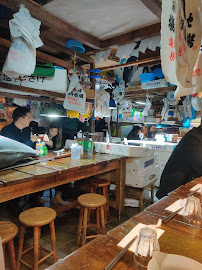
[[134, 134], [54, 133], [152, 132], [184, 164], [19, 130]]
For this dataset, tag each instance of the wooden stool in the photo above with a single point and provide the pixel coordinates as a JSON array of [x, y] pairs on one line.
[[138, 193], [87, 202], [103, 185], [8, 232], [36, 218]]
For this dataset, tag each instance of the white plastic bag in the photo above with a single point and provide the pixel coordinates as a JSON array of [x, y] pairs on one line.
[[76, 97], [21, 58]]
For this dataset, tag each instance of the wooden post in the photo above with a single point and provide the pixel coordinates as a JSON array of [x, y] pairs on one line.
[[120, 188], [92, 122]]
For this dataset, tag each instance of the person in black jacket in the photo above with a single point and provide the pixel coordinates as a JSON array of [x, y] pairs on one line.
[[19, 130], [184, 164]]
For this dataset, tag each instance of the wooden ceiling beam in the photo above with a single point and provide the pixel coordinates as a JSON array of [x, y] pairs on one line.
[[133, 36], [135, 63], [149, 91], [42, 56], [29, 90], [29, 97], [57, 46], [154, 6], [90, 93], [52, 21]]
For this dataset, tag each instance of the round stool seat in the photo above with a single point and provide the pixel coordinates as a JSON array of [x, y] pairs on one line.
[[100, 182], [8, 231], [37, 217], [92, 200]]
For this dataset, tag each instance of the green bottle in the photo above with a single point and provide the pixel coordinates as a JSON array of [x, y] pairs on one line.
[[43, 149]]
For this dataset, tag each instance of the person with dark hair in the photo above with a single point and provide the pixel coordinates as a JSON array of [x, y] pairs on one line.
[[152, 132], [184, 164], [19, 129], [54, 133], [134, 134]]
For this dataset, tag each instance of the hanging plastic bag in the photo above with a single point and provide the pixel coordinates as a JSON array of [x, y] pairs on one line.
[[196, 103], [21, 58], [148, 106], [76, 97]]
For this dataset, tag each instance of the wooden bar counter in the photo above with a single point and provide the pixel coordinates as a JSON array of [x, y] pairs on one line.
[[178, 238], [29, 179]]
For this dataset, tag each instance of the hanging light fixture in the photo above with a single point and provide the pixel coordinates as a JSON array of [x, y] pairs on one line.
[[112, 104], [52, 111]]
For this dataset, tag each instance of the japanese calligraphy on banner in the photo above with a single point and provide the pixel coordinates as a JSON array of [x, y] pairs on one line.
[[76, 97], [180, 44], [187, 39], [58, 83]]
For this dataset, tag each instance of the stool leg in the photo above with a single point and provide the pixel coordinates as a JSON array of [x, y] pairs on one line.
[[20, 246], [51, 194], [105, 206], [102, 219], [80, 226], [98, 220], [4, 252], [53, 241], [36, 248], [141, 200], [107, 197], [39, 242], [11, 251], [152, 193], [84, 226]]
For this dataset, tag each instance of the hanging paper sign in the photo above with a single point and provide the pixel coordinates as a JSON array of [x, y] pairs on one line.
[[126, 111], [76, 97], [75, 100], [58, 83], [187, 39]]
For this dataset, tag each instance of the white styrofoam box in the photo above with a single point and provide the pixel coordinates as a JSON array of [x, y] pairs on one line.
[[115, 140], [100, 147], [130, 150], [154, 84], [141, 178], [131, 202], [124, 150], [141, 164]]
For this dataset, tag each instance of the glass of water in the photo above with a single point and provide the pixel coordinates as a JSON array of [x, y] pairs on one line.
[[146, 244]]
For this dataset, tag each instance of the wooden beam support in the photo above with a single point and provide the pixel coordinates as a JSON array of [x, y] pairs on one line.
[[55, 23], [29, 90], [133, 36], [145, 92], [57, 46], [135, 63], [90, 93], [42, 56], [15, 95], [154, 6]]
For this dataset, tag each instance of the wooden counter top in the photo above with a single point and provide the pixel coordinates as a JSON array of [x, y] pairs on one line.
[[177, 239]]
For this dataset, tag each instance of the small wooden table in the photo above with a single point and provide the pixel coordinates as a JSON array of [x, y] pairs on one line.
[[138, 193], [29, 179]]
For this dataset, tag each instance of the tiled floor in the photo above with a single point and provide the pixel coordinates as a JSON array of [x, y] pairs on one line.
[[66, 230]]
